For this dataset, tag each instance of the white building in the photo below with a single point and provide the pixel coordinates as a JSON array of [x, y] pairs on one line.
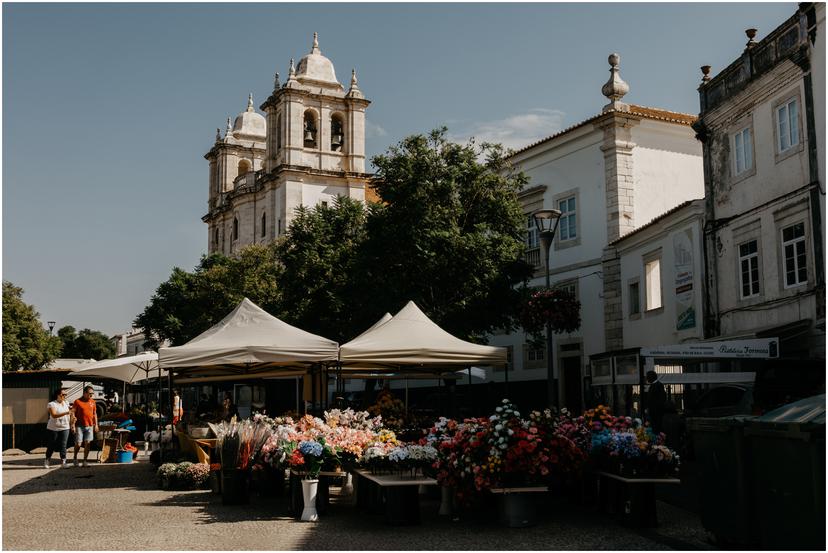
[[762, 123], [129, 343], [307, 149], [609, 175]]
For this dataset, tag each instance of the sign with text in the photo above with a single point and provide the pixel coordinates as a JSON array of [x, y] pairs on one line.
[[683, 265], [766, 348]]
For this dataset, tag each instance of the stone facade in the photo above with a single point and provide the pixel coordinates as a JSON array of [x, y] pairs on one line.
[[308, 149], [765, 196]]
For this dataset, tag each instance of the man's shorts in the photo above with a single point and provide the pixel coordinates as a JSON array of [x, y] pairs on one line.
[[84, 434]]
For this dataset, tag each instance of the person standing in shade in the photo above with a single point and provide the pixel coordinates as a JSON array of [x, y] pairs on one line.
[[228, 409], [656, 401], [178, 408], [60, 415], [86, 423]]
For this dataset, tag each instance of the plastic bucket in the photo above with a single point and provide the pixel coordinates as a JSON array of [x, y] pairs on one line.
[[123, 457]]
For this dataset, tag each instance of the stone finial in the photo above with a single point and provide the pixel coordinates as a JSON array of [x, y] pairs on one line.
[[705, 69], [218, 134], [615, 88], [292, 71], [751, 34], [229, 131], [315, 48], [276, 84], [250, 102], [354, 91]]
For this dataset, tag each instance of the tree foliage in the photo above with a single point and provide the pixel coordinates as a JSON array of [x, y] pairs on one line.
[[319, 280], [447, 233], [86, 344], [26, 344], [188, 303]]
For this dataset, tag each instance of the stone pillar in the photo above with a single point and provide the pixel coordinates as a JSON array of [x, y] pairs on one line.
[[613, 314], [618, 174]]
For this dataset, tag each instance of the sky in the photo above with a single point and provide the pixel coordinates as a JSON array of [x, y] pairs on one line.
[[108, 109]]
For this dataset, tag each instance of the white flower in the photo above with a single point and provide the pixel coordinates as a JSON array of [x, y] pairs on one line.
[[498, 409], [511, 432], [499, 427]]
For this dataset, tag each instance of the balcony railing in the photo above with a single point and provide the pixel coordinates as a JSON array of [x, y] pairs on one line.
[[533, 257]]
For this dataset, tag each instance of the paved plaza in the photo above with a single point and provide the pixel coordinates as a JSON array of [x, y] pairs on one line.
[[124, 509]]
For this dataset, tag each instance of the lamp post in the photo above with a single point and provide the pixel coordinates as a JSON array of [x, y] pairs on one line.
[[546, 221], [51, 326]]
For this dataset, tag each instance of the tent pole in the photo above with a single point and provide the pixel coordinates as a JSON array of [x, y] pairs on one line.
[[297, 396], [158, 408], [506, 376], [406, 395]]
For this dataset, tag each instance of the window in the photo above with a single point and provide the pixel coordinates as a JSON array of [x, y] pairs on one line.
[[635, 298], [215, 237], [570, 286], [749, 268], [568, 223], [264, 224], [324, 204], [278, 132], [235, 228], [787, 120], [793, 251], [743, 149], [533, 357], [532, 243], [279, 227], [652, 283]]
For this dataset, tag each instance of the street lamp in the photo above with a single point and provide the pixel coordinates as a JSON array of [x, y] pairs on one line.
[[546, 221], [51, 326]]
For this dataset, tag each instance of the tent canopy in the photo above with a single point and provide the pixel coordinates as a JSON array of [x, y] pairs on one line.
[[411, 338], [249, 340], [131, 369]]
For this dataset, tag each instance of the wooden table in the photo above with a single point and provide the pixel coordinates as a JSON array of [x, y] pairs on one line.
[[634, 498], [397, 496]]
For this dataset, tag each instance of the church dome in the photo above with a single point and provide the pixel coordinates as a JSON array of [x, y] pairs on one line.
[[316, 67], [250, 123]]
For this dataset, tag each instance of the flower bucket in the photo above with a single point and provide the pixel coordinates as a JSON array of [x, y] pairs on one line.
[[215, 481], [518, 510], [348, 487], [234, 487], [309, 492], [124, 456], [446, 501]]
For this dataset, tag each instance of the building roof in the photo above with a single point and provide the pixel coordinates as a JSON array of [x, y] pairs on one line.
[[316, 68], [249, 123], [655, 220], [641, 111]]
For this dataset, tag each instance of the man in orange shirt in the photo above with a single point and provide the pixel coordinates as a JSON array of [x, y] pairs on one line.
[[86, 421]]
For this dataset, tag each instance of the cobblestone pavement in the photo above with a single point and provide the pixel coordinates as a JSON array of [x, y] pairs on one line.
[[119, 507]]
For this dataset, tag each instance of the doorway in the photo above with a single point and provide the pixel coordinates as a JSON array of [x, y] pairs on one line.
[[573, 399]]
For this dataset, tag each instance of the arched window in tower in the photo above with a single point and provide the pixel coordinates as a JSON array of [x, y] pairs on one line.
[[264, 224], [337, 133], [235, 228], [216, 237], [244, 167], [310, 129]]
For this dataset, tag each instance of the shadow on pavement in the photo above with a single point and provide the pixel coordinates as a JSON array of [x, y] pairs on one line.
[[136, 476]]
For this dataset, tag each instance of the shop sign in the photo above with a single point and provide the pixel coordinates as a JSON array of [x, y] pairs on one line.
[[766, 348]]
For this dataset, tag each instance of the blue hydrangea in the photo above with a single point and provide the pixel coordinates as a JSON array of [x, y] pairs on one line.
[[398, 454], [314, 449]]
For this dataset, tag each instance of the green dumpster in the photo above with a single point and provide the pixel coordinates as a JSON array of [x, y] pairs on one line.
[[787, 447], [725, 494]]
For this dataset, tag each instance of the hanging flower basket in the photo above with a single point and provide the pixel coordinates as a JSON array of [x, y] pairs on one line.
[[557, 307]]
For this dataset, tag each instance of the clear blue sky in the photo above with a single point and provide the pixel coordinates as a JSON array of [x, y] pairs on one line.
[[108, 109]]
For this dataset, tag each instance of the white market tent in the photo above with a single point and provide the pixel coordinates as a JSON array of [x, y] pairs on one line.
[[249, 342], [411, 339], [130, 369]]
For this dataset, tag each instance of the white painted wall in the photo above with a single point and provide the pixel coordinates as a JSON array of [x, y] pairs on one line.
[[658, 327], [668, 168]]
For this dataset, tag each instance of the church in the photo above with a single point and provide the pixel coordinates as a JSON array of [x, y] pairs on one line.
[[307, 149]]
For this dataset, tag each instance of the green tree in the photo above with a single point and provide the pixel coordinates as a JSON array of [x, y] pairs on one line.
[[318, 279], [26, 344], [188, 303], [447, 234], [86, 344]]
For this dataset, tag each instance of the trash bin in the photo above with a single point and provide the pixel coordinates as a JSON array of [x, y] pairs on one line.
[[787, 446], [725, 493]]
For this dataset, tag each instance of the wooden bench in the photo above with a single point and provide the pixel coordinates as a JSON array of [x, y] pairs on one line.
[[398, 497], [633, 498]]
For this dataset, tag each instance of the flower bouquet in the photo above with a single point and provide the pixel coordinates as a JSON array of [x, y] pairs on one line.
[[306, 458]]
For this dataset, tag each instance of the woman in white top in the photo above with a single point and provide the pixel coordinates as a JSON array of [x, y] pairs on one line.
[[60, 415]]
